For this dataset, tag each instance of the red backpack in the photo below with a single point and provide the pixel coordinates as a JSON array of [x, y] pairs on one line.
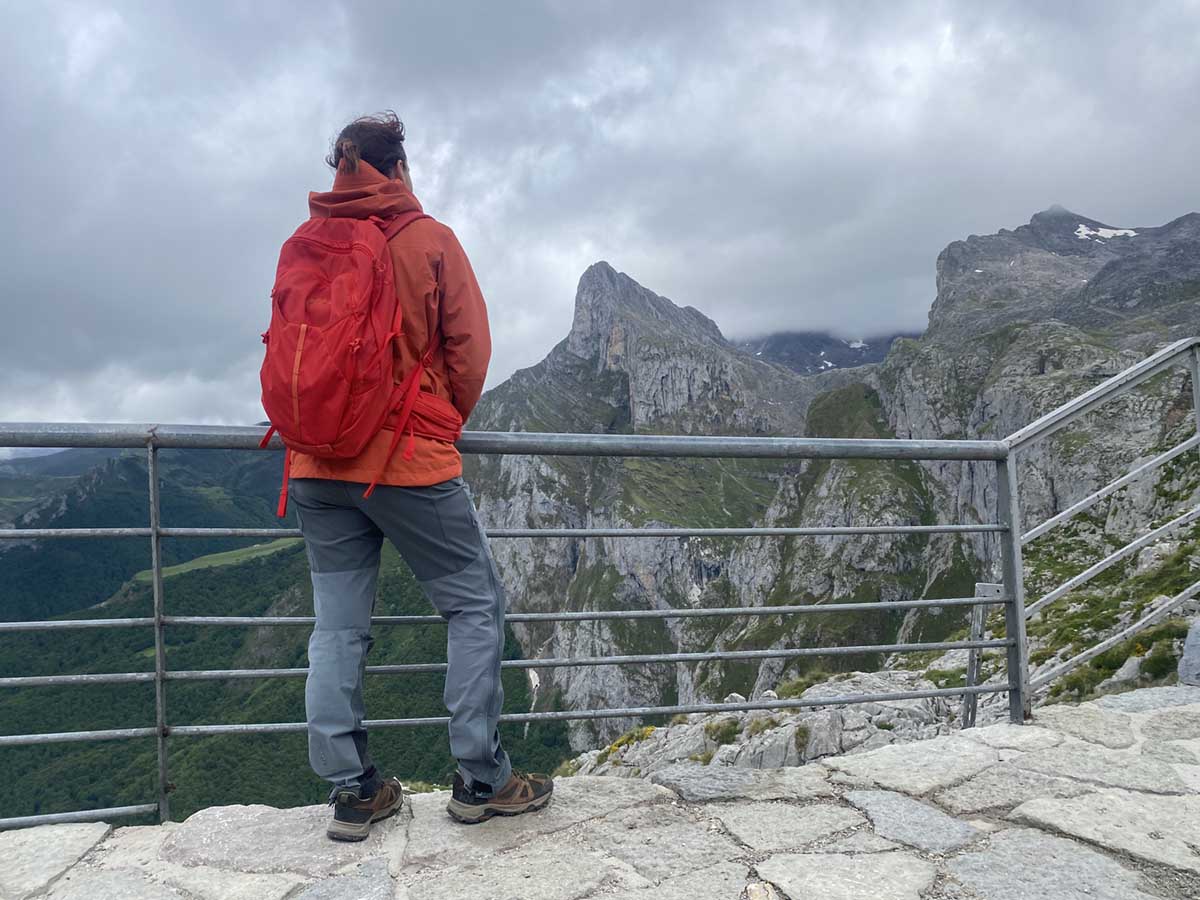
[[327, 379]]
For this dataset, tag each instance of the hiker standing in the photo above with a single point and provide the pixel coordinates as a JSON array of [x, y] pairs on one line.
[[376, 354]]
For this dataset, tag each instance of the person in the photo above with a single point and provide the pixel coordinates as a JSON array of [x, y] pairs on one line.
[[419, 502]]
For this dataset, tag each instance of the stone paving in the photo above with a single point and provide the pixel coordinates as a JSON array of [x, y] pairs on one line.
[[1099, 801]]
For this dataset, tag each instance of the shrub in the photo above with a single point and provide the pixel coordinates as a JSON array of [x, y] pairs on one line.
[[679, 719], [703, 758], [723, 731], [758, 726], [801, 738], [886, 726], [790, 690], [566, 769], [1160, 661]]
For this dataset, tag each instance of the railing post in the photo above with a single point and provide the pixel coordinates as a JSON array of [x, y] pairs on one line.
[[1194, 366], [1008, 504], [970, 702], [160, 646]]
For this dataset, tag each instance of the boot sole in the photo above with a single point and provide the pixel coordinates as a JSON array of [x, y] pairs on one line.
[[473, 815], [350, 833]]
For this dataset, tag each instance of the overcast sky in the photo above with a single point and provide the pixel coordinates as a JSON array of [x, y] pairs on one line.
[[776, 165]]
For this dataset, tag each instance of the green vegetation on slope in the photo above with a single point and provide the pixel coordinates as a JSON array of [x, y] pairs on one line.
[[227, 558], [270, 769]]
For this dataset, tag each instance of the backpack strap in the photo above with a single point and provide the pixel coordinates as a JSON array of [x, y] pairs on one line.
[[396, 225]]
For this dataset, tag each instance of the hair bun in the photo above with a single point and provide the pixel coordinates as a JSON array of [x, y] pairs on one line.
[[348, 151]]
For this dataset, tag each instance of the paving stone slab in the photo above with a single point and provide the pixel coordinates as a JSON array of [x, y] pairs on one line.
[[920, 767], [1104, 768], [85, 883], [435, 838], [1179, 724], [1089, 722], [865, 841], [34, 857], [370, 882], [900, 818], [1021, 865], [1006, 736], [834, 876], [661, 841], [701, 784], [1147, 699], [547, 870], [263, 839], [1172, 752], [1004, 787], [139, 846], [720, 882], [783, 826], [1158, 829]]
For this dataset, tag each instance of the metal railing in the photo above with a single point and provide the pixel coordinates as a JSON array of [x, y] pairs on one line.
[[156, 437], [1009, 594], [1181, 353]]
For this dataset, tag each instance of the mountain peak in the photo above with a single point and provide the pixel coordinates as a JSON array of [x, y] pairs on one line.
[[607, 300]]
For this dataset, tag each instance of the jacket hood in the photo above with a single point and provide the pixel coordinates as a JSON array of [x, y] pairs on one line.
[[361, 194]]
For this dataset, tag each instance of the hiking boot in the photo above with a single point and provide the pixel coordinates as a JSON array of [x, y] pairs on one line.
[[522, 794], [353, 813]]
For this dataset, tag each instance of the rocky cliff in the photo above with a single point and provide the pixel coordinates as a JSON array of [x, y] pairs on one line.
[[1023, 321]]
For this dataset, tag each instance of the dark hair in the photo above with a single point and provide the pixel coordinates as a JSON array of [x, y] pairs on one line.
[[378, 140]]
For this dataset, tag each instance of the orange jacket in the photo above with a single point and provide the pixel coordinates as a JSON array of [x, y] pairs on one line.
[[435, 286]]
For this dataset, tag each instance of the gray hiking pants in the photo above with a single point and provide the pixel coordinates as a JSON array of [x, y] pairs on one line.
[[438, 534]]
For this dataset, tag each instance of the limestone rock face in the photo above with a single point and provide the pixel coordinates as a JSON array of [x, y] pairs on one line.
[[1024, 321]]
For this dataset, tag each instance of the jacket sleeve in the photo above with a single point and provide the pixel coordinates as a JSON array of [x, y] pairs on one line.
[[466, 340]]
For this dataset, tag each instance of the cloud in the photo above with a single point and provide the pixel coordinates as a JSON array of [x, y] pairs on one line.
[[797, 168]]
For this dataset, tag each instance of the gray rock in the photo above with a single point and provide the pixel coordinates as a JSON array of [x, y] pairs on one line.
[[1189, 661], [719, 882], [834, 876], [1006, 736], [783, 826], [1021, 864], [734, 698], [1181, 724], [1153, 828], [1173, 752], [34, 857], [663, 841], [911, 822], [1090, 723], [1005, 786], [138, 848], [864, 841], [265, 839], [921, 767], [85, 883], [370, 882], [1129, 673], [761, 891], [549, 870], [700, 784], [434, 837], [1098, 766], [1147, 699]]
